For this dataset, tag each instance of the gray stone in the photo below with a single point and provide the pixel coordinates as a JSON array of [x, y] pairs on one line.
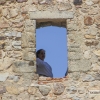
[[76, 98], [75, 75], [72, 89], [8, 34], [20, 1], [16, 43], [44, 89], [32, 97], [88, 78], [89, 2], [2, 90], [19, 34], [23, 96], [14, 33], [11, 77], [64, 6], [72, 27], [82, 65], [81, 90], [74, 55], [16, 78], [17, 47], [58, 88], [23, 66], [7, 96], [3, 76], [51, 15]]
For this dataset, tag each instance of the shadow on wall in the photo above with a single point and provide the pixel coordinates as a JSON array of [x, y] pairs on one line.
[[54, 41]]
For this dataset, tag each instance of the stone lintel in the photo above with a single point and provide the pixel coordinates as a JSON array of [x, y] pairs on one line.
[[51, 15]]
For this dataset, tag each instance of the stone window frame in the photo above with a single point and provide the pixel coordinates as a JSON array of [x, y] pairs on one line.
[[42, 19]]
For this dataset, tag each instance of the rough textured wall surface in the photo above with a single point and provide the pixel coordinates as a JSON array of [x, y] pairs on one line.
[[18, 22]]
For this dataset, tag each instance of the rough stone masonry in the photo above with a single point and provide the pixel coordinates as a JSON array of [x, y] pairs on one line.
[[18, 22]]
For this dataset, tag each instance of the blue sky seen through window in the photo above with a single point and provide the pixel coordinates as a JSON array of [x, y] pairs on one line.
[[54, 41]]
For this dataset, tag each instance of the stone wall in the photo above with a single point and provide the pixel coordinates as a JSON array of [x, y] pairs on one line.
[[18, 22]]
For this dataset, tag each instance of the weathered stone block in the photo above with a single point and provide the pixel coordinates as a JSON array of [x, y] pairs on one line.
[[20, 1], [19, 35], [89, 2], [23, 67], [88, 36], [4, 25], [16, 43], [97, 76], [97, 97], [12, 90], [97, 19], [6, 63], [45, 1], [72, 89], [64, 6], [3, 76], [2, 90], [90, 43], [88, 78], [74, 55], [58, 88], [88, 20], [79, 65], [29, 29], [87, 54], [28, 56], [44, 90], [13, 13], [95, 1], [32, 90], [51, 15], [97, 52]]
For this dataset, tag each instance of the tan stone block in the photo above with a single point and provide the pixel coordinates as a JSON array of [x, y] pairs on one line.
[[90, 43], [51, 15], [97, 52], [5, 12], [97, 19], [12, 90], [32, 90], [64, 6], [87, 54], [97, 97], [4, 25], [90, 36], [89, 2], [2, 44], [95, 67], [13, 12], [18, 25], [95, 1], [7, 62]]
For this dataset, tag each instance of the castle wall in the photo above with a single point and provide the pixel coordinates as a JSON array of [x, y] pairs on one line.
[[18, 22]]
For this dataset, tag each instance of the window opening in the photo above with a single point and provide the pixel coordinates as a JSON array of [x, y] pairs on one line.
[[54, 41]]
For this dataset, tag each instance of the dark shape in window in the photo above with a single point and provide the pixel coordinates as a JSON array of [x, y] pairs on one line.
[[77, 2]]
